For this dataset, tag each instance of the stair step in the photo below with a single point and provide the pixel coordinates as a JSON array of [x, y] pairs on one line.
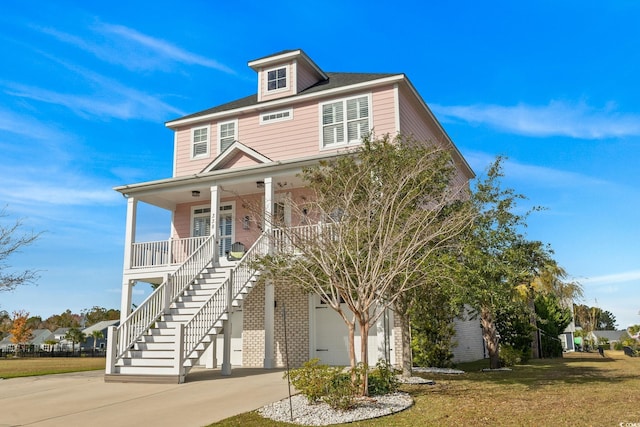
[[145, 370], [157, 362], [154, 346], [151, 354]]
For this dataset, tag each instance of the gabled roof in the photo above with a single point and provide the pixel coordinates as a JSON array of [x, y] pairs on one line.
[[334, 81], [231, 151], [100, 326], [61, 331], [39, 336], [611, 335]]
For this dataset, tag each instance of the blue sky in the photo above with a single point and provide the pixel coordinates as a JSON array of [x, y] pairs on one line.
[[85, 90]]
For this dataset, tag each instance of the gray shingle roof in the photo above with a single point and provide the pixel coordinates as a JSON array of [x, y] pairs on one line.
[[612, 335], [335, 80]]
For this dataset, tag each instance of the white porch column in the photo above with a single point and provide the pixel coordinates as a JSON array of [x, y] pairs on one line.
[[210, 359], [269, 293], [125, 299], [226, 326], [226, 347], [213, 227], [130, 234]]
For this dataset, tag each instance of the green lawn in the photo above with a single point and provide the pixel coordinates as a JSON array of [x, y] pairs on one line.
[[26, 367], [579, 389]]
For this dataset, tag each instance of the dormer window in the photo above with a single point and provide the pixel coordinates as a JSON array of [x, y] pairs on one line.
[[277, 79]]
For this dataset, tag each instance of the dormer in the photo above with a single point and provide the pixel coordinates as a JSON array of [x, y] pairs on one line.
[[285, 73]]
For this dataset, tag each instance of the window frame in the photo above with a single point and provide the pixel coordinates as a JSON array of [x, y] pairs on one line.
[[219, 136], [344, 123], [288, 111], [192, 147], [286, 79]]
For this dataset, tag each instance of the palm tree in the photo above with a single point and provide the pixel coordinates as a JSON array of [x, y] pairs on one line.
[[75, 335], [96, 336]]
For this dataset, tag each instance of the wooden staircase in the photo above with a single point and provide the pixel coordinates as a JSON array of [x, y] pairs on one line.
[[166, 336]]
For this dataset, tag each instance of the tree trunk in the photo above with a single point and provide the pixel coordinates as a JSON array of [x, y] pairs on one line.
[[352, 350], [535, 335], [490, 336], [364, 357], [407, 356]]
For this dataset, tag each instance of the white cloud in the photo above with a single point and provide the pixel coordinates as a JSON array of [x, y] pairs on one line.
[[134, 50], [558, 118], [608, 279], [113, 101], [162, 48]]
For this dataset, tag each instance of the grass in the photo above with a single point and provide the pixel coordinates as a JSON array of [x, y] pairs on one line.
[[26, 367], [579, 389]]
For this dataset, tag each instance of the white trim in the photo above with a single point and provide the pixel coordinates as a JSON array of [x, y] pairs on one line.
[[271, 59], [219, 136], [287, 101], [175, 153], [288, 111], [265, 76], [206, 154], [344, 101], [294, 76], [231, 151]]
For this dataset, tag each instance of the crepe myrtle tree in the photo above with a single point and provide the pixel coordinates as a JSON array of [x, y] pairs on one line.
[[11, 242], [379, 213]]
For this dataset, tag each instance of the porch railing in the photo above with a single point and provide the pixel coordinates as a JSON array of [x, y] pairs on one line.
[[164, 252], [287, 240], [203, 321], [141, 319]]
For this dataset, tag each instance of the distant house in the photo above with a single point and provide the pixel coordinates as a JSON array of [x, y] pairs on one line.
[[38, 340], [609, 337], [59, 335], [567, 338], [101, 342]]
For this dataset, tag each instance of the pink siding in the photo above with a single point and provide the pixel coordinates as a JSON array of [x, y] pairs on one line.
[[306, 76], [413, 120], [383, 111], [239, 160], [284, 140]]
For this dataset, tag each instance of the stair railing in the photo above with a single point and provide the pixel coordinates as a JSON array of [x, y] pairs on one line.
[[141, 319], [200, 325]]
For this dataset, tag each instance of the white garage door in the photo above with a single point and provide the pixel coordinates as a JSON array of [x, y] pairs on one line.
[[332, 337]]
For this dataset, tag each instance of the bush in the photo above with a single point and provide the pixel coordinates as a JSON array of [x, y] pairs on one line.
[[382, 379], [333, 385], [323, 383], [509, 356]]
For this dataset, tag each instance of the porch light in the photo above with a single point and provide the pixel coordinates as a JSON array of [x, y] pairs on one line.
[[195, 193], [260, 184]]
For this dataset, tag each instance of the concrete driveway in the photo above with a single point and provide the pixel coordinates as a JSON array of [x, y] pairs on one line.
[[84, 398]]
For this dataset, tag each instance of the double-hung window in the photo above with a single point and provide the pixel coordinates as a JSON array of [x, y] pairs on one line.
[[345, 121], [277, 79], [200, 142], [227, 134]]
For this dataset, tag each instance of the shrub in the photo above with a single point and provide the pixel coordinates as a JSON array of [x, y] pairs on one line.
[[509, 356], [331, 385], [382, 379], [312, 380]]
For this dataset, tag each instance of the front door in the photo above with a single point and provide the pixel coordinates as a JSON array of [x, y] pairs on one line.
[[202, 225]]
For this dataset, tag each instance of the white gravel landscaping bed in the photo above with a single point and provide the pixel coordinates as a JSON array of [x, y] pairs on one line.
[[322, 414]]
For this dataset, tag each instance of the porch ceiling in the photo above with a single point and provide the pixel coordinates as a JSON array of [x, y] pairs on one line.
[[168, 194]]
